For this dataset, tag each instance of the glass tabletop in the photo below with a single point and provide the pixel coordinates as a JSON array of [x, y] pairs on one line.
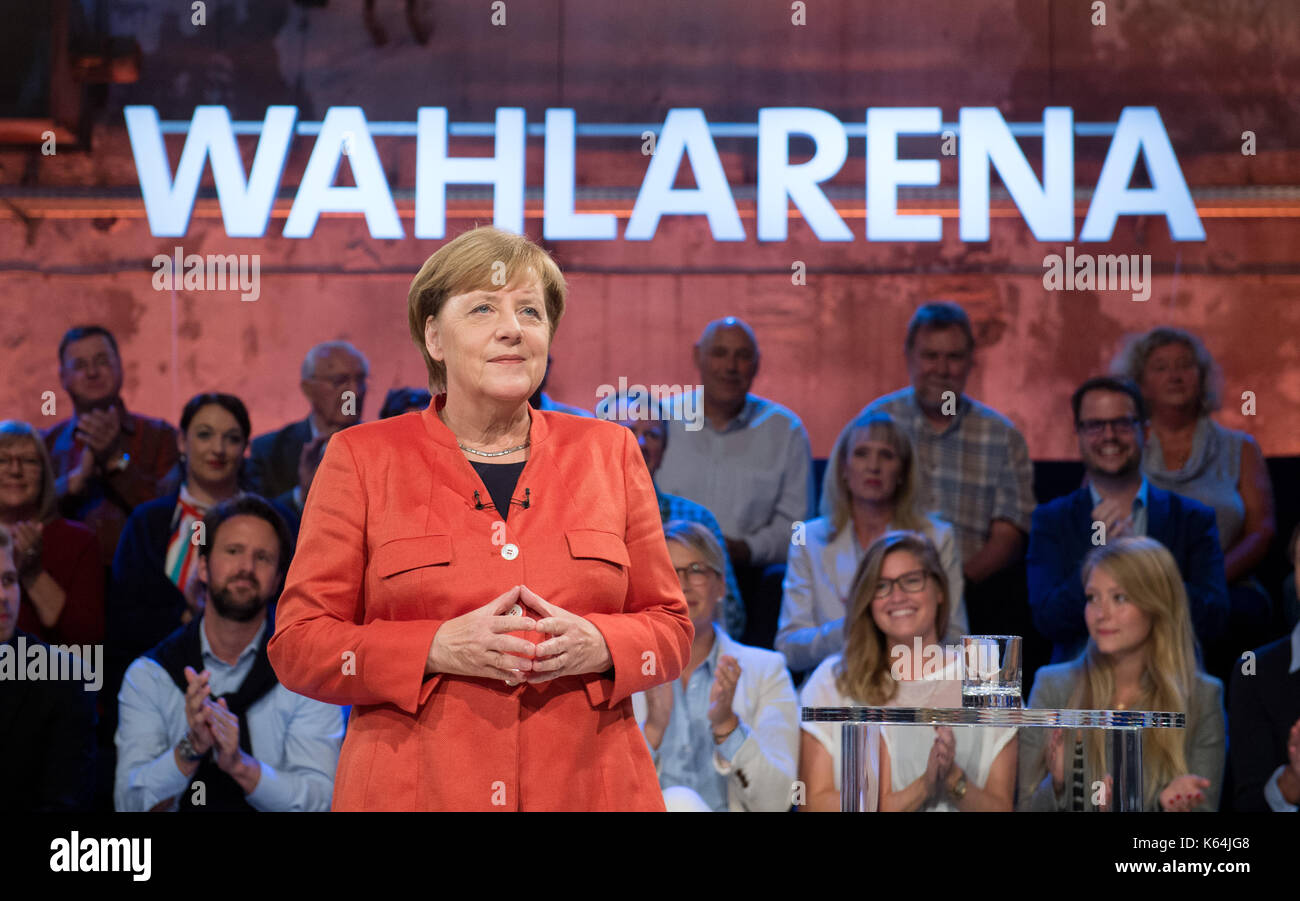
[[997, 716]]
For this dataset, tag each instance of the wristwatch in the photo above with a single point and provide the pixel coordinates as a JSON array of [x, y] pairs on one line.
[[958, 791], [186, 747]]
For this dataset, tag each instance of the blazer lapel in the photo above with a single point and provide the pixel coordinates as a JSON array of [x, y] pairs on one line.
[[1158, 508], [840, 561]]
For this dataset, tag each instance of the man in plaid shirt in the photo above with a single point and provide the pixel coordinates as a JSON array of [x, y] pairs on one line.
[[973, 465]]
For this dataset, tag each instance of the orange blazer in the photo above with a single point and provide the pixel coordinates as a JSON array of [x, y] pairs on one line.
[[392, 546]]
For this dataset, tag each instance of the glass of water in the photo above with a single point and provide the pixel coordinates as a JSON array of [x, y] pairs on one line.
[[990, 671]]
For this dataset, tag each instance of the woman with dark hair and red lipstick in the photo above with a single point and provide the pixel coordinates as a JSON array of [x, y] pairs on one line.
[[154, 587]]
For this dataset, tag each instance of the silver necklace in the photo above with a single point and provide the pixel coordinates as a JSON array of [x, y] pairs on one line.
[[501, 453]]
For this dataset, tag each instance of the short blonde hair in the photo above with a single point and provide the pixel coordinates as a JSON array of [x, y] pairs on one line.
[[837, 506], [469, 263], [14, 431], [697, 537]]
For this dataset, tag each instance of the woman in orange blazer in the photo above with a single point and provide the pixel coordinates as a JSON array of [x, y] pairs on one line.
[[487, 584]]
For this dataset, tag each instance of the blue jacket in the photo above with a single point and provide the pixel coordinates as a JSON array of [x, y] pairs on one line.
[[1061, 536]]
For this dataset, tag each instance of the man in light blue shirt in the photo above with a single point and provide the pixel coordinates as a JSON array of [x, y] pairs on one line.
[[232, 738], [751, 463]]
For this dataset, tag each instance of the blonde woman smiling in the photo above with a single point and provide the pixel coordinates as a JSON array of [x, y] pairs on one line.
[[1140, 656]]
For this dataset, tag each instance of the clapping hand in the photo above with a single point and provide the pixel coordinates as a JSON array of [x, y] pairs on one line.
[[1055, 757], [722, 693], [659, 712], [942, 753], [27, 546], [196, 711], [78, 477], [1184, 793], [225, 734], [101, 430]]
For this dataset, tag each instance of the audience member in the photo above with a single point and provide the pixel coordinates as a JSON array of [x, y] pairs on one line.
[[404, 400], [869, 489], [973, 466], [290, 504], [1290, 602], [725, 735], [652, 437], [1264, 727], [334, 378], [59, 568], [47, 746], [749, 462], [155, 584], [1110, 421], [1190, 453], [898, 600], [1140, 656], [107, 461], [204, 723]]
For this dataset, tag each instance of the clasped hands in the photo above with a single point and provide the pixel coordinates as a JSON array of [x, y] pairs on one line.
[[478, 643], [1119, 521], [1183, 793], [939, 773], [214, 725]]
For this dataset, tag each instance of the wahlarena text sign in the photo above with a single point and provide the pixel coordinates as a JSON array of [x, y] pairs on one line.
[[986, 142]]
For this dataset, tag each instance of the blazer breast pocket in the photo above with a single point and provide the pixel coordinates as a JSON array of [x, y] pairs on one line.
[[403, 555], [403, 573], [599, 561]]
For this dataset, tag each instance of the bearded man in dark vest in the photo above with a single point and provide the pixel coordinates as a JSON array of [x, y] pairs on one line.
[[204, 724]]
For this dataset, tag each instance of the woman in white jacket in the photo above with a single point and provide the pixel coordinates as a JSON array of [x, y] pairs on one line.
[[869, 489], [725, 735]]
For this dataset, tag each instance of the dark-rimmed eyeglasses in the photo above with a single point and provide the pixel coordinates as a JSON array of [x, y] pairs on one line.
[[912, 582], [1093, 428], [26, 462], [341, 381]]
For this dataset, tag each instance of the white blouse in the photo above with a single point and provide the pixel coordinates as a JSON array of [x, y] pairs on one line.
[[909, 746]]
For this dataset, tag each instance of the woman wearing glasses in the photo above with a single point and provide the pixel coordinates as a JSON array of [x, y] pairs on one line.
[[724, 736], [62, 581], [892, 659]]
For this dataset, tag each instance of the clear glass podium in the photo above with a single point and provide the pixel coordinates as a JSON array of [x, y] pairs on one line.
[[1125, 727]]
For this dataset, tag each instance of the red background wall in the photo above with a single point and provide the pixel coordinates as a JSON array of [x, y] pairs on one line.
[[1213, 70]]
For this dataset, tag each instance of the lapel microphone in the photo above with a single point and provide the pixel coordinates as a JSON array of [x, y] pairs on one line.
[[524, 504]]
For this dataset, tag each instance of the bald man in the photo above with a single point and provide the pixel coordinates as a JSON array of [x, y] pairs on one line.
[[750, 463]]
